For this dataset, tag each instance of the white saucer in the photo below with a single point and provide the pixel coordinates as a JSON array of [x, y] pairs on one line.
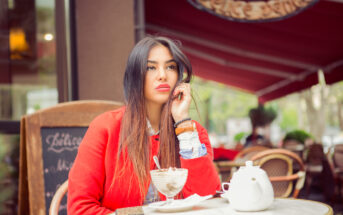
[[174, 207], [180, 204]]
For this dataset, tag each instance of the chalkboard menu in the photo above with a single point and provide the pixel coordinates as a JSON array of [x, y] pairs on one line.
[[60, 147], [49, 141]]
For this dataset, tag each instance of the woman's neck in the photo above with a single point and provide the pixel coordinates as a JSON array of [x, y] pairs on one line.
[[154, 115]]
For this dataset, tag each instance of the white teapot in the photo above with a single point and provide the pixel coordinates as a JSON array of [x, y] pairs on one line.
[[250, 189]]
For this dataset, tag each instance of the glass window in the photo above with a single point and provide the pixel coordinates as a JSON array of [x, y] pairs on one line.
[[28, 80], [28, 59]]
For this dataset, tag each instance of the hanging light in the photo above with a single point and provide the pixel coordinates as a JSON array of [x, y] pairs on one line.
[[18, 43], [48, 37]]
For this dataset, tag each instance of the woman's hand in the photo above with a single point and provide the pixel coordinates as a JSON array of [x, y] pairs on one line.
[[180, 106]]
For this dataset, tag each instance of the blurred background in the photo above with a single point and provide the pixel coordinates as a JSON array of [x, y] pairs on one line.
[[289, 68]]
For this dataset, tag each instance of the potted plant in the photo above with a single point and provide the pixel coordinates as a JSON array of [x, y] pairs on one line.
[[299, 135]]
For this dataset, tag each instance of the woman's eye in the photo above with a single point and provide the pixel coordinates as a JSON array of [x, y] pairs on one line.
[[171, 67], [150, 68]]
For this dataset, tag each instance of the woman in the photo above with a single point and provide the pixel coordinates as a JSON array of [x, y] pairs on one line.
[[112, 167]]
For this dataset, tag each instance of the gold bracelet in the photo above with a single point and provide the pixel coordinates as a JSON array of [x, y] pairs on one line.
[[180, 130]]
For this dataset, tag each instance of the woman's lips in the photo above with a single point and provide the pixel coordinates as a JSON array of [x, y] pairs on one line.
[[163, 88]]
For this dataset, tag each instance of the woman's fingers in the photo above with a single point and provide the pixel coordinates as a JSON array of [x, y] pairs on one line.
[[182, 88], [180, 106]]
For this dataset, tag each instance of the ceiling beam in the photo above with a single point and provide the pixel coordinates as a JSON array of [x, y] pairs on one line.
[[308, 68], [278, 85], [333, 65], [338, 1], [233, 50], [262, 70], [285, 82], [232, 64]]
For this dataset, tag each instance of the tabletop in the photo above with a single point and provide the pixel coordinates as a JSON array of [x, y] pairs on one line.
[[280, 206]]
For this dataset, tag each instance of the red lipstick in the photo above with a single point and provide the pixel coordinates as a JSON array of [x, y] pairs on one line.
[[163, 88]]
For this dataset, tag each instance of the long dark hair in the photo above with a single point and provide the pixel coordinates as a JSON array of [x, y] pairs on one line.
[[134, 136]]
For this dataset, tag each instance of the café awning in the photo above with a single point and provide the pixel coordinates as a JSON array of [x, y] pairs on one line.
[[270, 59]]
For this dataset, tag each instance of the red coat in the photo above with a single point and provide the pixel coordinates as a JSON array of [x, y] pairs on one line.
[[91, 176]]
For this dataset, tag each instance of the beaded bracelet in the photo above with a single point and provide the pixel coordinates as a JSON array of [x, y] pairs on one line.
[[181, 121]]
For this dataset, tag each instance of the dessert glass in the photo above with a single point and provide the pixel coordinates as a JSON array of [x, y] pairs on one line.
[[169, 182]]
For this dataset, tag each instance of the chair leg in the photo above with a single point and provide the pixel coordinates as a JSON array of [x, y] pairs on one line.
[[339, 183], [295, 193], [308, 183]]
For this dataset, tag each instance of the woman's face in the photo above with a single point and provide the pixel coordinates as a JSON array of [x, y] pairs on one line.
[[161, 75]]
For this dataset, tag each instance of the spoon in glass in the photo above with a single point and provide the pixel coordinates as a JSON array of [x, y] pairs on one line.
[[156, 162]]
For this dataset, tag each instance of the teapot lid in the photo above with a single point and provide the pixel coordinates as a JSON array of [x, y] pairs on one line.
[[248, 163], [249, 170], [250, 166]]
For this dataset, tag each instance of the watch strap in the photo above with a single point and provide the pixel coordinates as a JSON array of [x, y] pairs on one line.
[[180, 130]]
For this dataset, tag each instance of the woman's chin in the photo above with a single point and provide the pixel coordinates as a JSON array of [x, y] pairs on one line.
[[159, 102], [161, 99]]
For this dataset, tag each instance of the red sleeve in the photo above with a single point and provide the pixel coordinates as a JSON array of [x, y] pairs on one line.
[[86, 177], [202, 178]]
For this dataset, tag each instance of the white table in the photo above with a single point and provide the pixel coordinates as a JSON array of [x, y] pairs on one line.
[[280, 206]]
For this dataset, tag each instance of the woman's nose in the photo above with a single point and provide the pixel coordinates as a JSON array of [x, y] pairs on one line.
[[162, 75]]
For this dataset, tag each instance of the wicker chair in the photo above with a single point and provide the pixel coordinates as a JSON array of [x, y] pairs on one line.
[[294, 146], [278, 163], [338, 159], [56, 200], [314, 165], [245, 155], [335, 160]]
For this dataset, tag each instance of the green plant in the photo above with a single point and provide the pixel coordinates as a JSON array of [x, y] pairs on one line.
[[299, 135], [239, 136], [9, 158]]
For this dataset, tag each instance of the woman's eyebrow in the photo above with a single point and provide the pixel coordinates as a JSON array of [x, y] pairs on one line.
[[151, 61], [168, 61], [171, 61]]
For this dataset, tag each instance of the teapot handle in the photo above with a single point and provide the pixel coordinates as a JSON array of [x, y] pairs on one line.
[[223, 186]]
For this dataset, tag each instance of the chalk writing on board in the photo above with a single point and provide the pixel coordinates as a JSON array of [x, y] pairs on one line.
[[62, 207], [62, 165], [61, 141], [60, 146]]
